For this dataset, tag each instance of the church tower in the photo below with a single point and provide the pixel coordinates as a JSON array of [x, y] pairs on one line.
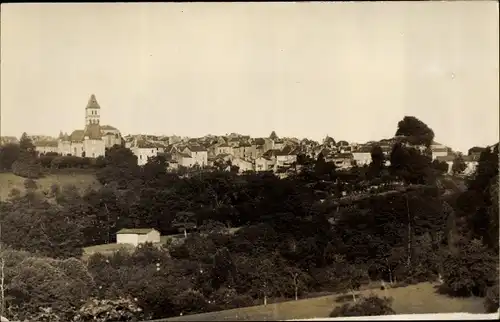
[[92, 111]]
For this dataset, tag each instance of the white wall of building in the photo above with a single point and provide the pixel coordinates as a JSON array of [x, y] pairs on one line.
[[200, 157], [132, 239], [362, 158], [94, 148], [135, 239], [143, 154]]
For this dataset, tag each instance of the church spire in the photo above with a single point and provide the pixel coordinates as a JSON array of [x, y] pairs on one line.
[[92, 102]]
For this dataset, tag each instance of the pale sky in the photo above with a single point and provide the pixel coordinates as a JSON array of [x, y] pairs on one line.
[[349, 70]]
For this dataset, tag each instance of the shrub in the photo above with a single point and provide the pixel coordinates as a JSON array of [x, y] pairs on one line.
[[491, 302], [46, 160], [121, 309], [27, 169], [372, 305], [30, 184], [470, 271]]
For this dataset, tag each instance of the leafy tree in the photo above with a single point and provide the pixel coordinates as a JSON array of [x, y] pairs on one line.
[[410, 165], [416, 131], [30, 184], [46, 282], [27, 166], [184, 220], [223, 267], [26, 145], [471, 271], [475, 149], [107, 310], [482, 211], [440, 166], [369, 306], [9, 153], [458, 165], [120, 167], [378, 160]]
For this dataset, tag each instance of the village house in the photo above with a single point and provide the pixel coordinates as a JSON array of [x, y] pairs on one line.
[[257, 151], [285, 158], [44, 147], [263, 163], [472, 161], [242, 164], [144, 150], [218, 160], [199, 154], [223, 149], [244, 150], [362, 156], [278, 144], [185, 160], [233, 141], [137, 236], [343, 160], [439, 150], [476, 151]]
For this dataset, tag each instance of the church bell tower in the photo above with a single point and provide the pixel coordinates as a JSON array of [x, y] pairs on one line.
[[92, 111]]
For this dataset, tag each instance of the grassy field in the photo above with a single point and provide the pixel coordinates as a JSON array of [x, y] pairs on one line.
[[81, 180], [420, 298]]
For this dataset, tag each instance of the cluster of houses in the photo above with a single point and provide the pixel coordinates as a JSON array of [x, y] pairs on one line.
[[227, 152], [265, 154], [243, 152]]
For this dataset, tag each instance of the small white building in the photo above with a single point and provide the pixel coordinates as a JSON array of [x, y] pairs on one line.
[[264, 164], [136, 236], [362, 156], [199, 155], [243, 165], [144, 150]]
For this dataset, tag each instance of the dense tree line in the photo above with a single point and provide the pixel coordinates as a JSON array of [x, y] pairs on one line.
[[294, 236]]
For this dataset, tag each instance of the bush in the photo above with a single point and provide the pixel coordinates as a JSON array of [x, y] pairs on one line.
[[46, 160], [369, 306], [70, 161], [121, 309], [30, 184], [491, 302], [470, 271], [27, 169]]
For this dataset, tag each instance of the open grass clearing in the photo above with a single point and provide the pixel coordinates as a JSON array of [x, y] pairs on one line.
[[413, 299], [81, 180]]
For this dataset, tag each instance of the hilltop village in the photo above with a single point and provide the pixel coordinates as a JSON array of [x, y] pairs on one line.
[[232, 151]]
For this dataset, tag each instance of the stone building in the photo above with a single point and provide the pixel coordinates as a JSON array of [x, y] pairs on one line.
[[93, 140]]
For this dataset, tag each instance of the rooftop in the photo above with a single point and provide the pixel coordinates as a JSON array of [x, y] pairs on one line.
[[138, 231], [92, 102]]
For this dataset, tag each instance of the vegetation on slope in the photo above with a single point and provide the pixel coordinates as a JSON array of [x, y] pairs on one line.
[[295, 238]]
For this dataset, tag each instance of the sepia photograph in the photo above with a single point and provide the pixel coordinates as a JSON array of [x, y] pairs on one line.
[[246, 161]]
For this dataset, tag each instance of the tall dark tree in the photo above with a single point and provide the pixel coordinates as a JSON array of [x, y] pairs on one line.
[[273, 136], [26, 144], [483, 219], [458, 165], [9, 153], [410, 165], [378, 161], [416, 131], [120, 167]]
